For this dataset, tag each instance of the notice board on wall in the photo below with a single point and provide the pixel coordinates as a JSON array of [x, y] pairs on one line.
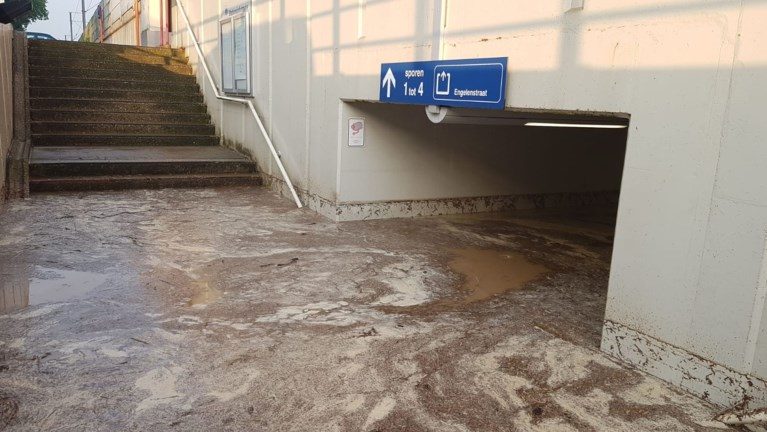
[[234, 41]]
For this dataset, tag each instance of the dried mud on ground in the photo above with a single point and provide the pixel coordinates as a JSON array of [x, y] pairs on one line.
[[227, 309]]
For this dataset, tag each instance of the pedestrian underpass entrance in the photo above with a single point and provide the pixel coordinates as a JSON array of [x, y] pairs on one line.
[[475, 160], [537, 191]]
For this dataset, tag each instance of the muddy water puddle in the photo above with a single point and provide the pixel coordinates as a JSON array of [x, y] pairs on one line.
[[488, 272], [45, 285], [204, 294]]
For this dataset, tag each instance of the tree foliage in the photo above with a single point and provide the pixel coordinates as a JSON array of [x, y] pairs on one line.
[[39, 12]]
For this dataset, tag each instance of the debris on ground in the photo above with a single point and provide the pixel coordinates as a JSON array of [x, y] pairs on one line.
[[387, 326]]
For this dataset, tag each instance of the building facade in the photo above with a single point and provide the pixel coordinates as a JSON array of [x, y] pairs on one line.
[[688, 282]]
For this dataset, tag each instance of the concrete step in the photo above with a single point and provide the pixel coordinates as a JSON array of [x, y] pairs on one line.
[[117, 106], [137, 95], [67, 46], [125, 53], [121, 140], [56, 162], [146, 72], [122, 128], [103, 62], [189, 84], [156, 181], [99, 116]]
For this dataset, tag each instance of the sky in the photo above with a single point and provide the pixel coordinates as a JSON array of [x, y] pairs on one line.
[[57, 24]]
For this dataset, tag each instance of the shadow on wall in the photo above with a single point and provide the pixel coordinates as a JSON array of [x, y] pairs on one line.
[[299, 73], [409, 158]]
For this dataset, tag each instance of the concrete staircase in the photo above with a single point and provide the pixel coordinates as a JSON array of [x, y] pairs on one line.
[[116, 117]]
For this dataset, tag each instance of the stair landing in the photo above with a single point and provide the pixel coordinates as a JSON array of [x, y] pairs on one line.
[[99, 168]]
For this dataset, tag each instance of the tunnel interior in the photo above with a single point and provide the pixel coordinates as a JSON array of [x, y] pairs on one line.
[[554, 190], [407, 157]]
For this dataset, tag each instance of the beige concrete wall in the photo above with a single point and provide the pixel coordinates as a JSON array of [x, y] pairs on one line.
[[6, 101], [732, 284]]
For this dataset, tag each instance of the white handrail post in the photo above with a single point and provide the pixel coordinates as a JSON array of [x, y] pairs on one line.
[[272, 149]]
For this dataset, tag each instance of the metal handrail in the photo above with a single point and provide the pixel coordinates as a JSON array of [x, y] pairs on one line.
[[247, 102]]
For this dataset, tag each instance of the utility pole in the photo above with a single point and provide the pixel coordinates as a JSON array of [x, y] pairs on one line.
[[83, 9], [137, 22], [71, 32]]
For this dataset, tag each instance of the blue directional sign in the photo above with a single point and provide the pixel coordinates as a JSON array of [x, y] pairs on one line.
[[470, 83]]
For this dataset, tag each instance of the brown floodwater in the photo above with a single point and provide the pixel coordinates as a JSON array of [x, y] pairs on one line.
[[489, 272], [204, 294]]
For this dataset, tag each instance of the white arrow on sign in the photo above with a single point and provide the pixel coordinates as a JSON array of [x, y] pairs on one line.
[[389, 82]]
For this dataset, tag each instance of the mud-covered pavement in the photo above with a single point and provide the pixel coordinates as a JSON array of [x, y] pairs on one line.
[[228, 309]]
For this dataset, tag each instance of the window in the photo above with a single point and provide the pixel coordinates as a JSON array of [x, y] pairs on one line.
[[234, 38]]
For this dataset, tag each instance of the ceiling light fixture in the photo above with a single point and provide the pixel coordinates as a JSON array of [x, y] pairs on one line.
[[576, 125]]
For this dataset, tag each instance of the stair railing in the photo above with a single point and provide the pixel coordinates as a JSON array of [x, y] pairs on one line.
[[247, 102]]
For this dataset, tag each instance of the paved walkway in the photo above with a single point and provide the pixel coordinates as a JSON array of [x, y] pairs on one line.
[[228, 309]]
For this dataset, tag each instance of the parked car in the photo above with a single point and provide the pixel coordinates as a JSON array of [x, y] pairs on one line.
[[39, 36]]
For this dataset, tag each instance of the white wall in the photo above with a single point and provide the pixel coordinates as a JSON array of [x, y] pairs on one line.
[[689, 262], [734, 260]]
